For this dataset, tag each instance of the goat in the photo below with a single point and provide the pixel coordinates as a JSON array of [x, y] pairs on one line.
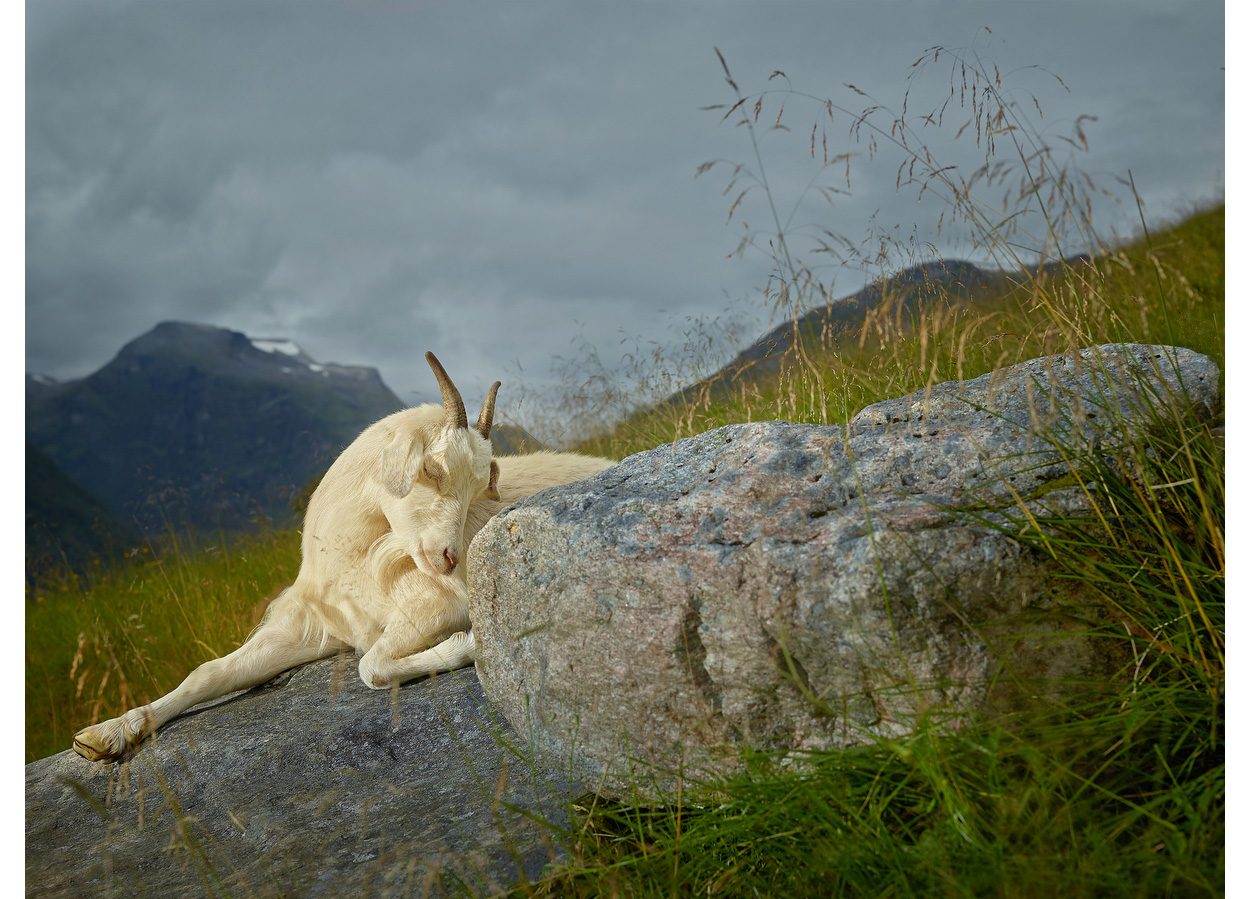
[[381, 573]]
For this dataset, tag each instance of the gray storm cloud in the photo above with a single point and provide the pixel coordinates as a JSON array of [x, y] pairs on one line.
[[497, 181]]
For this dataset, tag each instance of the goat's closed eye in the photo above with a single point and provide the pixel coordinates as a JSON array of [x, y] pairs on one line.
[[433, 471]]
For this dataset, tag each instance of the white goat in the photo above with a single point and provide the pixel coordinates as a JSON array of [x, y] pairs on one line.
[[383, 539]]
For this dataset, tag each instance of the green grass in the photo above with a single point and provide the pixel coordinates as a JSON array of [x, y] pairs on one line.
[[1120, 792], [138, 629]]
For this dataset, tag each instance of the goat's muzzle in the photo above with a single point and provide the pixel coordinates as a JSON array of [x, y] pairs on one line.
[[446, 564]]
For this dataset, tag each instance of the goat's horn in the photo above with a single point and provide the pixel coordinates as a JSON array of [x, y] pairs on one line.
[[452, 404], [488, 412]]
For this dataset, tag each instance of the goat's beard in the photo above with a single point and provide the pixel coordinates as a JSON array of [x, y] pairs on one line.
[[389, 559]]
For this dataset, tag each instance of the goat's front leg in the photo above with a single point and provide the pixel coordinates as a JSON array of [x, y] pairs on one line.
[[427, 630], [382, 665], [272, 649]]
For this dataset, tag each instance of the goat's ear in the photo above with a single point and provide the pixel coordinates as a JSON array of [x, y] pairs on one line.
[[400, 463], [492, 489]]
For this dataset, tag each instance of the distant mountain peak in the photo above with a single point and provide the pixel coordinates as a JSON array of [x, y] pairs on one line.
[[203, 424], [214, 349], [183, 339]]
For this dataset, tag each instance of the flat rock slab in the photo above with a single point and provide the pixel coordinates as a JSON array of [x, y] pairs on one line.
[[311, 785]]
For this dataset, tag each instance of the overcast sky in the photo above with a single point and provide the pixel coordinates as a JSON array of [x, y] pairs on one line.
[[499, 181]]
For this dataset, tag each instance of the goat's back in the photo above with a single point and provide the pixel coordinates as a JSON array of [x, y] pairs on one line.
[[522, 476]]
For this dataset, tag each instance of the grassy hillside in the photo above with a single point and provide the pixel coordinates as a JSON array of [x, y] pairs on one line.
[[1167, 288]]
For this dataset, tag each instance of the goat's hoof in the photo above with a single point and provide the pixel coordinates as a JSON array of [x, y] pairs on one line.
[[93, 746], [102, 742]]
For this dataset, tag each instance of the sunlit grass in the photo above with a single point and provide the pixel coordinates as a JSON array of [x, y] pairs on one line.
[[140, 629]]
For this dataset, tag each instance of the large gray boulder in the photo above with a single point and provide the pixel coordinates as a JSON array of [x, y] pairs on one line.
[[312, 785], [797, 587]]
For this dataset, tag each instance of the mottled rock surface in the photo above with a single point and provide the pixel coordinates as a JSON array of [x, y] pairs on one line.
[[312, 785], [802, 587]]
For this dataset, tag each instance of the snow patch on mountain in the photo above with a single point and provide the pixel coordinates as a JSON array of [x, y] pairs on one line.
[[290, 348], [277, 345]]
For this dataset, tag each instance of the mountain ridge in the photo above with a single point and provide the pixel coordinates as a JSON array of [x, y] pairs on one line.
[[912, 286], [198, 425]]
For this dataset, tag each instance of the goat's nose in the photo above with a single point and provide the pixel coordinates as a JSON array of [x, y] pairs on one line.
[[451, 560]]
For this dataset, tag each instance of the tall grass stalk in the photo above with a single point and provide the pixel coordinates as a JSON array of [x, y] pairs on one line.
[[1023, 212]]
